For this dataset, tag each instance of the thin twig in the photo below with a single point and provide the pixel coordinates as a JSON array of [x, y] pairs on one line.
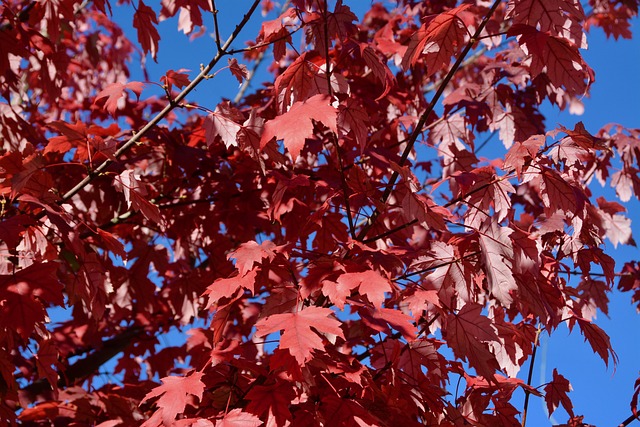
[[433, 267], [345, 188], [529, 376], [216, 27], [163, 113], [259, 59], [390, 232], [423, 118], [629, 420]]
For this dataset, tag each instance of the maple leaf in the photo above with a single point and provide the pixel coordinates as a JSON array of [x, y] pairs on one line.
[[380, 70], [298, 337], [557, 17], [369, 283], [582, 138], [250, 253], [135, 193], [223, 123], [296, 83], [239, 71], [598, 340], [190, 13], [238, 418], [276, 33], [497, 255], [352, 117], [635, 397], [437, 41], [617, 228], [324, 28], [112, 243], [449, 273], [145, 21], [174, 393], [23, 294], [556, 193], [296, 125], [556, 57], [72, 135], [556, 393], [48, 355], [179, 78], [467, 333], [272, 400], [522, 153], [227, 288], [115, 92], [379, 318]]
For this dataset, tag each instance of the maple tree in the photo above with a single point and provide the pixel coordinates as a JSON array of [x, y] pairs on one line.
[[332, 243]]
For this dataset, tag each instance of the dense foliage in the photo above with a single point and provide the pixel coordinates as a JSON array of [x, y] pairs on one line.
[[332, 242]]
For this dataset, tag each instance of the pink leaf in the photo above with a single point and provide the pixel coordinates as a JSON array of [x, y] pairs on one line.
[[298, 337], [296, 125]]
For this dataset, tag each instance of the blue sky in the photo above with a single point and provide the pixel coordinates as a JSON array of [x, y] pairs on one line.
[[601, 394]]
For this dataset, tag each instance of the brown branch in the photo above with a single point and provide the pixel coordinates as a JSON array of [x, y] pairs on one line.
[[390, 232], [629, 420], [166, 110], [216, 27], [86, 367], [423, 118], [433, 267], [259, 59], [345, 188], [527, 393]]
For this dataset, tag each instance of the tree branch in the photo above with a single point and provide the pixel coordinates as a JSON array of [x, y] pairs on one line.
[[166, 110], [529, 376], [423, 118], [84, 368]]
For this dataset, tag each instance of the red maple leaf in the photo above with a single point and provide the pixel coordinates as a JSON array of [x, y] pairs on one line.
[[239, 71], [135, 194], [379, 318], [145, 21], [352, 117], [556, 57], [227, 288], [273, 400], [23, 294], [437, 41], [179, 78], [223, 123], [296, 125], [298, 337], [115, 92], [557, 17], [556, 393], [634, 398], [497, 255], [557, 194], [298, 82], [522, 153], [379, 68], [174, 393], [369, 283], [250, 253], [468, 333], [275, 32], [238, 418], [598, 339]]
